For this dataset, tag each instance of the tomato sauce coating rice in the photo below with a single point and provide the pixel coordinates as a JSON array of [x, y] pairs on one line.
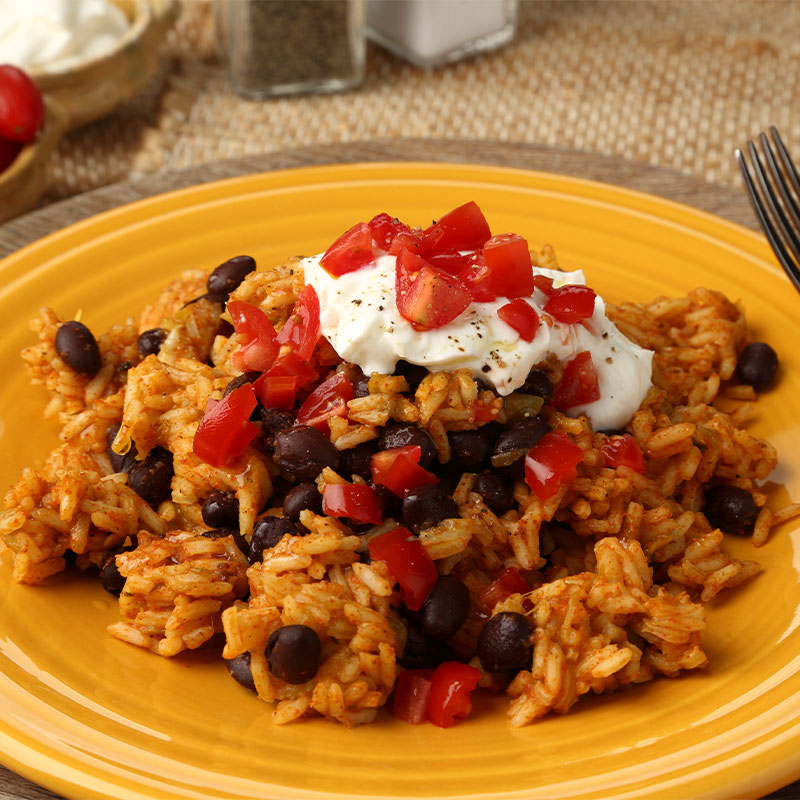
[[284, 548]]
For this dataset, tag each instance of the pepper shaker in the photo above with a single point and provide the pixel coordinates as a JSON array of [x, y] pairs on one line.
[[279, 47]]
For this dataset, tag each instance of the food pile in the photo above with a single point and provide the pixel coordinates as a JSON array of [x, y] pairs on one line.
[[21, 113], [233, 466]]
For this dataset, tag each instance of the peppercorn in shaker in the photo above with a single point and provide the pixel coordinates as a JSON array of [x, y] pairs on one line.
[[276, 47]]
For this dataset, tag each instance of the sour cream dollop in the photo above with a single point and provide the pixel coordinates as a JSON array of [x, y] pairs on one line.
[[359, 317]]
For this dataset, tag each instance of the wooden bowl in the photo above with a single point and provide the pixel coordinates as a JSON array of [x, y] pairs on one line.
[[22, 182], [98, 86]]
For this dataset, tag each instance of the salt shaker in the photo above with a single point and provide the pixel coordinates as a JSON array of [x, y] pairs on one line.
[[432, 32], [278, 47]]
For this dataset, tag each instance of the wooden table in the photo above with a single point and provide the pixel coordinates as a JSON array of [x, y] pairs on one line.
[[720, 200]]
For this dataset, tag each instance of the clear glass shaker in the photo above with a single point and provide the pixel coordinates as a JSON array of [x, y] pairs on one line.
[[279, 47]]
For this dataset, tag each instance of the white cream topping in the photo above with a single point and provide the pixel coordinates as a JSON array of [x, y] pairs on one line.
[[359, 317]]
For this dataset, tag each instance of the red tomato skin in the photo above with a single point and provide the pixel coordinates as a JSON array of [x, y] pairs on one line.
[[578, 384], [21, 105], [426, 296], [409, 563], [302, 330], [411, 240], [329, 399], [623, 451], [350, 252], [571, 304], [451, 685], [508, 258], [522, 317], [276, 391], [508, 582], [411, 693], [385, 228], [257, 336], [225, 429], [398, 469], [8, 152], [352, 500], [551, 462], [463, 228], [478, 279]]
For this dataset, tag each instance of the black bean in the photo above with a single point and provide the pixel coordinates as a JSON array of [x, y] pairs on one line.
[[421, 651], [496, 493], [304, 452], [238, 539], [730, 508], [151, 479], [469, 450], [221, 510], [304, 496], [361, 385], [401, 435], [150, 341], [227, 276], [505, 642], [514, 443], [110, 576], [426, 506], [119, 463], [294, 653], [78, 348], [757, 365], [241, 380], [413, 373], [539, 384], [268, 531], [358, 460], [273, 420], [390, 502], [445, 608], [224, 328], [239, 668]]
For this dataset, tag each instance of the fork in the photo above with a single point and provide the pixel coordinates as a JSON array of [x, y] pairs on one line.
[[780, 219]]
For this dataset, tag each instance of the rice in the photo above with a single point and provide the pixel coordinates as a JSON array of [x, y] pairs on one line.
[[618, 564]]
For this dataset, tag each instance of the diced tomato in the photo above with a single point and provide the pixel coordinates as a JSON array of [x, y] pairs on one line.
[[508, 259], [226, 430], [426, 296], [352, 500], [256, 334], [463, 228], [478, 279], [329, 399], [276, 391], [385, 228], [411, 693], [301, 330], [452, 684], [623, 451], [451, 261], [550, 463], [292, 366], [543, 284], [350, 252], [578, 384], [522, 317], [411, 240], [398, 469], [409, 562], [571, 303], [508, 582]]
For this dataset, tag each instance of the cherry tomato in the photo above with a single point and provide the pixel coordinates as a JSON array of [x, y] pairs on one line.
[[352, 500], [551, 462], [508, 260], [411, 693], [255, 332], [398, 469], [385, 228], [426, 296], [350, 252], [623, 451], [301, 330], [508, 582], [8, 152], [522, 317], [571, 303], [578, 384], [226, 430], [329, 399], [452, 684], [409, 563], [21, 105], [463, 228]]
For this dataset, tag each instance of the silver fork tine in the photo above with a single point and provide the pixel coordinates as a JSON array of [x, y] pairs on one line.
[[786, 159], [789, 204]]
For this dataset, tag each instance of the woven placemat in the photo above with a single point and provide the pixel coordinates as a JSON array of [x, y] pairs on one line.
[[677, 83]]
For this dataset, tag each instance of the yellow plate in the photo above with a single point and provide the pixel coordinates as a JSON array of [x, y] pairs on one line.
[[89, 716]]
